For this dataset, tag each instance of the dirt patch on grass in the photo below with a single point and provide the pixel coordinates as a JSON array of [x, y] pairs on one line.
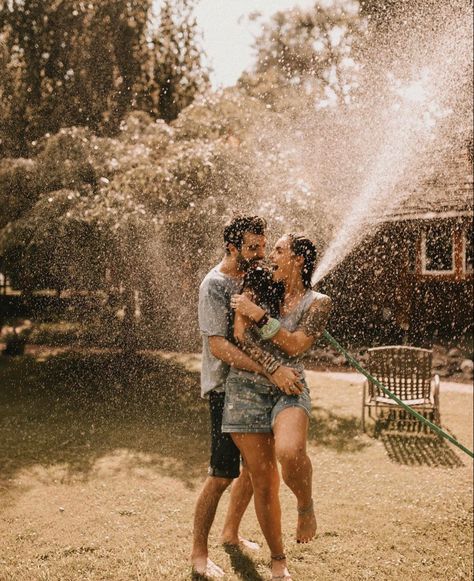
[[102, 460]]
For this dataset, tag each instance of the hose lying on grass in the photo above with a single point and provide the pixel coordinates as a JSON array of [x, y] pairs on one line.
[[406, 407]]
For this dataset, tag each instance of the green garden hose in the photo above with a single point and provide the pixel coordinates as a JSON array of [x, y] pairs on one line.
[[414, 413]]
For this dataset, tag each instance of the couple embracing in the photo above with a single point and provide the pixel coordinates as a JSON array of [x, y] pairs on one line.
[[256, 322]]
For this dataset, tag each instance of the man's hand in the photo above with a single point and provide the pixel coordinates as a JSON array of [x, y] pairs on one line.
[[287, 379], [243, 305]]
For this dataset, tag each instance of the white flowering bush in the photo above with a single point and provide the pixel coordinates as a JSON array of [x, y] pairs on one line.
[[140, 215]]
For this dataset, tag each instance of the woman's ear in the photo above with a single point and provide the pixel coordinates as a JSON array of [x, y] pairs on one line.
[[299, 260]]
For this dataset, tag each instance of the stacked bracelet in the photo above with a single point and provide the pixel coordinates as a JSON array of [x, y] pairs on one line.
[[253, 349], [270, 329], [263, 321], [271, 365]]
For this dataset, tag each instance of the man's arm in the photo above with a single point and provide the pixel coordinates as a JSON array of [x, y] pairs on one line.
[[213, 312], [285, 378], [229, 353]]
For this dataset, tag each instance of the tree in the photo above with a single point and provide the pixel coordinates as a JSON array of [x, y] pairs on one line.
[[120, 58], [127, 214], [178, 70], [69, 63], [308, 54], [74, 63]]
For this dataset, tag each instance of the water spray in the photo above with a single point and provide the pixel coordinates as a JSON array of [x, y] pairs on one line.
[[387, 392]]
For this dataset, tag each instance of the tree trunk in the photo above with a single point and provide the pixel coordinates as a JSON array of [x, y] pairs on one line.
[[128, 338]]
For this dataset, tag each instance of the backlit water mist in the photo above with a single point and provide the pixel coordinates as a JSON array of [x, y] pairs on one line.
[[351, 166], [329, 172], [409, 128]]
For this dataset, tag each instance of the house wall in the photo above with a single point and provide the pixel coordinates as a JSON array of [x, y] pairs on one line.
[[381, 296]]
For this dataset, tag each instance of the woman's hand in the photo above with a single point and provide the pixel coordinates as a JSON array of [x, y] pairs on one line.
[[288, 380], [243, 305]]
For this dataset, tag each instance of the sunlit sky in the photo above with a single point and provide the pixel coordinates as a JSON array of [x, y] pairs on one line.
[[228, 34]]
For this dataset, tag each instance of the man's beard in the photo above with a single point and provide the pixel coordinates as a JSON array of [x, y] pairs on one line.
[[243, 264]]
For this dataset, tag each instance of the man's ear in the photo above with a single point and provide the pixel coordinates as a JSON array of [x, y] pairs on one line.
[[232, 249]]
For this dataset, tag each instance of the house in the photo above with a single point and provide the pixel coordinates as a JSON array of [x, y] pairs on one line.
[[413, 279]]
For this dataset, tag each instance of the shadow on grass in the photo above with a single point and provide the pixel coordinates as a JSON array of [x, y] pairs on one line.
[[242, 564], [419, 450], [195, 576], [342, 433], [72, 409]]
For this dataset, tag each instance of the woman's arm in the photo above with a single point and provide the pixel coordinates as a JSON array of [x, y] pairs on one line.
[[243, 336], [309, 330], [241, 324], [285, 378]]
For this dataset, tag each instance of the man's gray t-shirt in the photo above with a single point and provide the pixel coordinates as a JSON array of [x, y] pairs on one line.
[[215, 319]]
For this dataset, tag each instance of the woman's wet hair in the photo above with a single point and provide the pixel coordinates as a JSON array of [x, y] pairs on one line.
[[267, 293], [301, 245]]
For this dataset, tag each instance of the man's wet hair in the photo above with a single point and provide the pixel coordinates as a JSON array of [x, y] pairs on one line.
[[234, 231], [301, 245], [267, 293]]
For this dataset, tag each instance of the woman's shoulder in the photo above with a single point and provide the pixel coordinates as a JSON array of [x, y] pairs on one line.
[[320, 300]]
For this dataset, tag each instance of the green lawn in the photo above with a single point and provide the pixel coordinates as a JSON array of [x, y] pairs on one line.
[[102, 460]]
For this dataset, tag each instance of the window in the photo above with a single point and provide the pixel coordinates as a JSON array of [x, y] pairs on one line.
[[438, 249], [4, 284], [468, 250]]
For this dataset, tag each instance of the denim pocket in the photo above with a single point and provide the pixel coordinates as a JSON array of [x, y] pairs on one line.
[[246, 406]]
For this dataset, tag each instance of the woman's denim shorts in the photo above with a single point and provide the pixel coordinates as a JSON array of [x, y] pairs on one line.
[[252, 407]]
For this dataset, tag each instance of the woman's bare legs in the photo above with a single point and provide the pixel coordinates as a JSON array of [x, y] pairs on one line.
[[290, 430], [258, 451]]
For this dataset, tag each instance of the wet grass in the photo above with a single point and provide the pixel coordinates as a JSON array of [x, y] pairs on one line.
[[102, 459]]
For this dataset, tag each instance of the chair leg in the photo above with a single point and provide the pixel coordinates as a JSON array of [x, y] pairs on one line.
[[436, 388], [377, 422], [363, 409], [377, 428]]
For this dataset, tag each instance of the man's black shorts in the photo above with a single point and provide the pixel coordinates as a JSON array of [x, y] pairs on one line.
[[225, 456]]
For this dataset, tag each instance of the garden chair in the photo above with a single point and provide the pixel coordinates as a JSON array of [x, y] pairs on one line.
[[406, 372]]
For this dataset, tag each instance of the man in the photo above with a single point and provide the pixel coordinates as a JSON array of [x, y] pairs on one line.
[[244, 239]]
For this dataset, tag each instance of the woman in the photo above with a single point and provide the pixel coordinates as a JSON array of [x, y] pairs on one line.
[[268, 424]]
